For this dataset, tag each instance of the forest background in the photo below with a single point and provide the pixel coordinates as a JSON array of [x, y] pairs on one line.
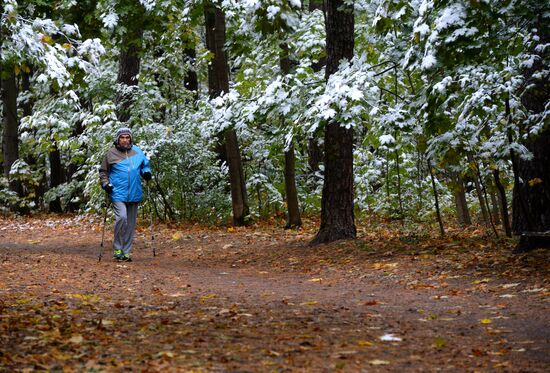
[[443, 104]]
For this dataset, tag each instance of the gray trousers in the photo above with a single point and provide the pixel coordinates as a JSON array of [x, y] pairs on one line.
[[125, 225]]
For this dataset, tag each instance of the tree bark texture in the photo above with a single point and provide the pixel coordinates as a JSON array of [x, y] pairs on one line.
[[294, 219], [315, 150], [531, 197], [191, 81], [462, 213], [10, 140], [218, 83], [236, 177], [293, 208], [128, 70], [337, 215], [503, 204], [56, 176]]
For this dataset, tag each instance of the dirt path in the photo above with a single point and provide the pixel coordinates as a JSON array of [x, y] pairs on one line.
[[259, 299]]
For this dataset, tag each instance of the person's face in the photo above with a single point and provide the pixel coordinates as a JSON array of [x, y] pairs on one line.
[[124, 141]]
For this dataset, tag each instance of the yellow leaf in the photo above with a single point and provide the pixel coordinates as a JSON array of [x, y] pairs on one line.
[[364, 343], [176, 236], [33, 242], [17, 70], [315, 280], [482, 281], [485, 321], [26, 68], [309, 303], [46, 39], [440, 342], [67, 45], [209, 296], [535, 181], [384, 265], [231, 229]]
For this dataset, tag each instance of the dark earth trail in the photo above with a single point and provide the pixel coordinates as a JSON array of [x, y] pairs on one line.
[[259, 300]]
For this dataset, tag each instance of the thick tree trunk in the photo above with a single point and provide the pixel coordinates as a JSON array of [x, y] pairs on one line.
[[218, 83], [10, 139], [531, 198], [337, 216], [462, 213], [128, 70], [316, 4]]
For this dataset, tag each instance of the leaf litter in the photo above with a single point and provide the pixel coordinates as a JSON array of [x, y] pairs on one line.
[[279, 305]]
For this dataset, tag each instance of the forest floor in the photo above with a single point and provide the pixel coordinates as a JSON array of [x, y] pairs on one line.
[[259, 299]]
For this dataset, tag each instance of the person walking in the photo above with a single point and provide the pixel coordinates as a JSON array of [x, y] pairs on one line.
[[119, 175]]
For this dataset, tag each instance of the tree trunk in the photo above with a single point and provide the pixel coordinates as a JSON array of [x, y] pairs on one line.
[[10, 140], [56, 175], [316, 4], [293, 207], [436, 199], [191, 81], [462, 213], [503, 203], [315, 150], [218, 83], [495, 210], [531, 199], [128, 70], [237, 180], [294, 219], [337, 215]]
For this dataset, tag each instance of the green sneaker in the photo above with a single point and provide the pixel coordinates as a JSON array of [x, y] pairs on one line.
[[117, 254], [125, 258]]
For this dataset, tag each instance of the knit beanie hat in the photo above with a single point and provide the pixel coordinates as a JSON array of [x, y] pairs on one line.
[[123, 131]]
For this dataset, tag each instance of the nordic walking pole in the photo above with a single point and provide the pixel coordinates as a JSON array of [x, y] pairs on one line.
[[151, 218], [108, 204]]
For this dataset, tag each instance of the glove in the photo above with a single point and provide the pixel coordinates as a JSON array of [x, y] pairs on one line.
[[147, 176], [108, 187]]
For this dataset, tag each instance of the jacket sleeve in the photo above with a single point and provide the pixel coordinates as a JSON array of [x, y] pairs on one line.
[[145, 165], [104, 171]]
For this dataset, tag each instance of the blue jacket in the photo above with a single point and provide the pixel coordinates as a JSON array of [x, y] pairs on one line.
[[123, 170]]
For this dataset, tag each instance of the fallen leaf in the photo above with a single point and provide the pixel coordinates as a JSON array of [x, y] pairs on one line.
[[439, 342], [482, 281], [309, 303], [364, 343], [76, 338], [390, 338], [379, 362], [485, 321]]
